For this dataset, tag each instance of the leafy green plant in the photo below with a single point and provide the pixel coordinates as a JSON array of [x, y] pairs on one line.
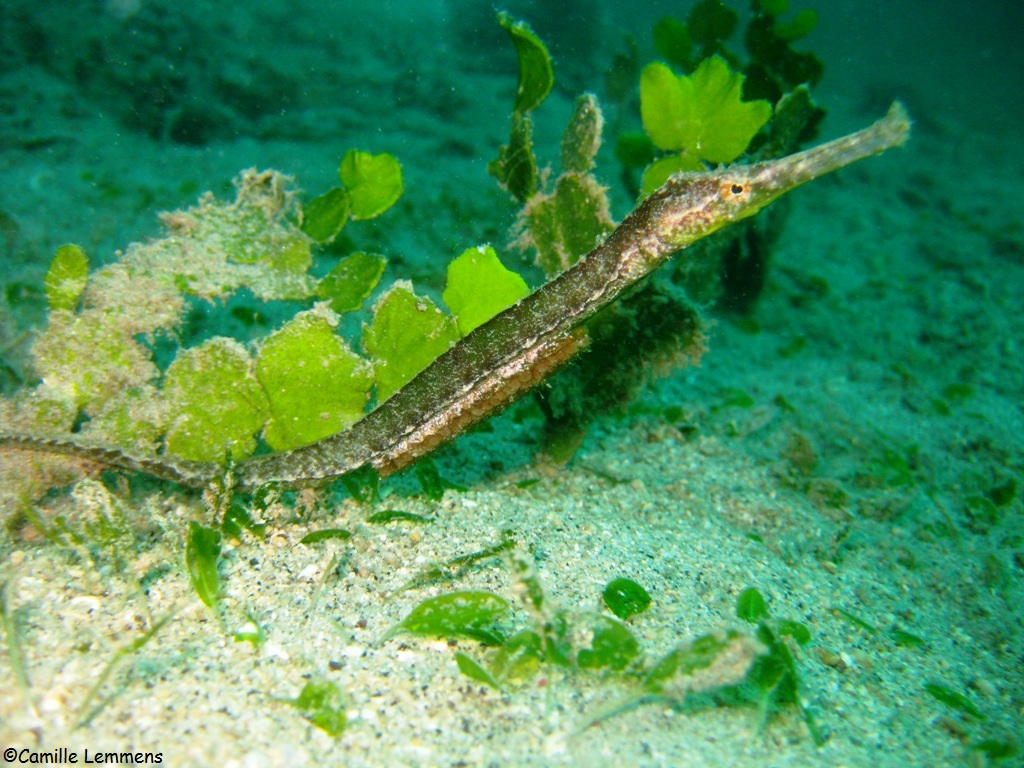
[[218, 400], [774, 677], [202, 551], [323, 704], [324, 534], [954, 700], [702, 116], [471, 613], [625, 598]]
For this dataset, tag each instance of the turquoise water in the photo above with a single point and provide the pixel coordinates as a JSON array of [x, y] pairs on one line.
[[867, 362]]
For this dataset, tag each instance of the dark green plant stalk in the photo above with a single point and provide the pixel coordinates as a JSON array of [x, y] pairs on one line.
[[518, 348]]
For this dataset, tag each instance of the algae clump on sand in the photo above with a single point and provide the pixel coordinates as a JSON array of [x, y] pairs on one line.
[[103, 381]]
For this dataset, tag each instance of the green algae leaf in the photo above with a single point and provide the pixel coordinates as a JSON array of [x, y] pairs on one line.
[[237, 518], [323, 535], [90, 356], [612, 646], [408, 332], [216, 405], [519, 658], [132, 417], [396, 515], [672, 41], [703, 114], [479, 287], [471, 613], [351, 281], [905, 639], [663, 109], [803, 23], [568, 223], [634, 148], [314, 383], [773, 7], [954, 700], [750, 606], [710, 22], [471, 668], [657, 173], [795, 629], [202, 550], [676, 672], [625, 598], [324, 217], [536, 76], [515, 168], [66, 277], [795, 120], [582, 137], [323, 704], [374, 182]]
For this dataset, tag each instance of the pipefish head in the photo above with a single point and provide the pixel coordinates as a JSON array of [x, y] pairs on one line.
[[691, 206]]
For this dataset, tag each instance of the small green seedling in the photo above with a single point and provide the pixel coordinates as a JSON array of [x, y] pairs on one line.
[[515, 168], [322, 703], [905, 639], [253, 633], [474, 671], [237, 518], [673, 675], [85, 714], [452, 569], [750, 606], [612, 646], [13, 644], [898, 636], [323, 535], [471, 613], [202, 550], [954, 700], [773, 675], [431, 482], [996, 749], [858, 622], [396, 515], [625, 598]]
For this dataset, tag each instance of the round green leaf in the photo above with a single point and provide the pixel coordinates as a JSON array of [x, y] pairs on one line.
[[479, 287], [323, 217], [535, 73], [351, 281], [407, 334], [625, 598], [750, 605], [66, 278], [315, 384], [215, 403], [374, 182]]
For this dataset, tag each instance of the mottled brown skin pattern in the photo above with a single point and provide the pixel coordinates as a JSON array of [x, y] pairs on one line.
[[515, 350]]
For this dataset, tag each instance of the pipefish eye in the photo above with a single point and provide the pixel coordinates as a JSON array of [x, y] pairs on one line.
[[735, 190]]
